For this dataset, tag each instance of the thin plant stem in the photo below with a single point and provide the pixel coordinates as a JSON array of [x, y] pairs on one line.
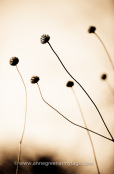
[[83, 90], [69, 120], [112, 91], [87, 131], [105, 50], [20, 143]]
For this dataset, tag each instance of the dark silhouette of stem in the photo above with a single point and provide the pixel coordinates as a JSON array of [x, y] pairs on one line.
[[105, 50], [69, 120], [87, 131], [20, 143], [83, 90]]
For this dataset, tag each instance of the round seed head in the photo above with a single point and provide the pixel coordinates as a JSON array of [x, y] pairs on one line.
[[70, 84], [34, 79], [13, 61], [91, 29], [44, 38], [104, 76]]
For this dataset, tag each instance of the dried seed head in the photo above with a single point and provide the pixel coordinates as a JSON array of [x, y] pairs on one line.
[[34, 79], [13, 61], [91, 29], [70, 84], [104, 76], [44, 38]]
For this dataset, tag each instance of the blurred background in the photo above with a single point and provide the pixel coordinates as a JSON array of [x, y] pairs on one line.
[[48, 136]]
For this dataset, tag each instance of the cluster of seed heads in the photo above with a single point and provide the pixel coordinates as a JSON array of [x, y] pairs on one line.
[[35, 79]]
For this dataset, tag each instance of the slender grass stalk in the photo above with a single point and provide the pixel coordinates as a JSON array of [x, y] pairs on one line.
[[14, 61], [106, 51], [33, 80], [111, 90], [104, 78], [45, 39], [19, 153], [87, 131], [92, 30]]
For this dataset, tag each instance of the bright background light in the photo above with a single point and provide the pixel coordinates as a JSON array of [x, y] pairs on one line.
[[67, 22]]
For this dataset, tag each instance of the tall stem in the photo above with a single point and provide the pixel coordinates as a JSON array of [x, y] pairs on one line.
[[105, 50], [87, 131], [69, 120], [20, 143], [83, 90]]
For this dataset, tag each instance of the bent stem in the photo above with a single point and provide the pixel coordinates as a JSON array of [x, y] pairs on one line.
[[20, 143], [105, 50], [70, 120], [83, 90], [87, 131]]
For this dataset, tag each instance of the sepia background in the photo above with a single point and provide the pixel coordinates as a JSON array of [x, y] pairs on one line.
[[48, 136]]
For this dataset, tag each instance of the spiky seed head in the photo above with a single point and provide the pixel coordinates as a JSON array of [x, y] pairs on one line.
[[70, 84], [44, 38], [34, 79], [14, 61], [91, 29], [104, 76]]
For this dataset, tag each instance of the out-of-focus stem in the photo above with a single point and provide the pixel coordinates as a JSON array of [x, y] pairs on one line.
[[87, 131], [112, 91], [105, 50]]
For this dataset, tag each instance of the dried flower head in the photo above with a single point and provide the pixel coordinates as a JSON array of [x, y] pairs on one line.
[[70, 84], [44, 38], [91, 29], [34, 79], [104, 76], [14, 61]]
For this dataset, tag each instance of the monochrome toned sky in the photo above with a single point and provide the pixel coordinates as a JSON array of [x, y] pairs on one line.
[[66, 22]]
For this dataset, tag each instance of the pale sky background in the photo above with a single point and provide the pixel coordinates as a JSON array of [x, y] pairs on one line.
[[67, 22]]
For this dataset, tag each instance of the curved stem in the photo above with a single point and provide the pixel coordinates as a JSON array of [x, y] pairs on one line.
[[105, 50], [87, 131], [82, 89], [20, 143], [68, 119]]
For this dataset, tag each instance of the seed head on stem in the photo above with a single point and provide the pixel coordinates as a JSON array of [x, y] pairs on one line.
[[104, 78], [14, 61], [92, 29], [45, 39], [70, 84], [36, 77]]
